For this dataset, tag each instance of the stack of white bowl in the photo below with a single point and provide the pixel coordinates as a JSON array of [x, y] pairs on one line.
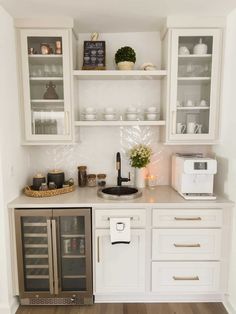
[[89, 114], [109, 114], [132, 113], [152, 114]]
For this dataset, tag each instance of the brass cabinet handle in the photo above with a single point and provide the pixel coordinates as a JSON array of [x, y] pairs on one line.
[[185, 278], [187, 245], [98, 249], [187, 218], [54, 248], [50, 262]]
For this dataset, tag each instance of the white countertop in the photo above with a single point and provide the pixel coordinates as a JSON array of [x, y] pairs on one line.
[[160, 196]]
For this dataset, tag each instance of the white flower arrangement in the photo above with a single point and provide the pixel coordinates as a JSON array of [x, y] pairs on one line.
[[140, 156]]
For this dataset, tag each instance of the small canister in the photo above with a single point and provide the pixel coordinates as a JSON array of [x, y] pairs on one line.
[[38, 179], [101, 179], [82, 176], [91, 180]]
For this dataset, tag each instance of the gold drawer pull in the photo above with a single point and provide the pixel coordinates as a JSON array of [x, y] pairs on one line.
[[188, 218], [187, 245], [185, 278]]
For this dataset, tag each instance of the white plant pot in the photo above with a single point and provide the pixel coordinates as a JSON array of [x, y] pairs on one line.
[[140, 177], [125, 65]]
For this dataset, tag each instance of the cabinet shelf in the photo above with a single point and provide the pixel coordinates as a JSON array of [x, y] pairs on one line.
[[191, 56], [46, 78], [119, 75], [47, 101], [192, 78], [39, 56], [193, 108], [120, 123]]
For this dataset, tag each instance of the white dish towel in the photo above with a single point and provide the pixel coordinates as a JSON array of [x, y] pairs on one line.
[[120, 230]]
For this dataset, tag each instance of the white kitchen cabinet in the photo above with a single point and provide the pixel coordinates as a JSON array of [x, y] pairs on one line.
[[192, 115], [47, 119], [120, 268]]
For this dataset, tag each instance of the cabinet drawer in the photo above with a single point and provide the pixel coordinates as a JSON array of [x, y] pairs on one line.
[[137, 216], [185, 276], [186, 244], [194, 218]]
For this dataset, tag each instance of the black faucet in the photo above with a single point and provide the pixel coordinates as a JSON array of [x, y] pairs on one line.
[[118, 167]]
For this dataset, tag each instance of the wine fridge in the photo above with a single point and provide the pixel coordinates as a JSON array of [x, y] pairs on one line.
[[54, 256]]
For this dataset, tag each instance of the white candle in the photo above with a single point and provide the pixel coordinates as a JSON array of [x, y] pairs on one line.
[[152, 180]]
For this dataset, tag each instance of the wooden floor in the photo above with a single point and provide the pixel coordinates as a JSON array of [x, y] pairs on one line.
[[128, 308]]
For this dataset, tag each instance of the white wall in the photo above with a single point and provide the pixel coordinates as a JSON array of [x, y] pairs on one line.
[[14, 161], [226, 151], [96, 147]]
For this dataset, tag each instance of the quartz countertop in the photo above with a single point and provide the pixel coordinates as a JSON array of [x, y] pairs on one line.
[[160, 196]]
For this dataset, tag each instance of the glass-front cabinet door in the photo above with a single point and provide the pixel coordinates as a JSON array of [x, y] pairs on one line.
[[194, 85], [46, 78]]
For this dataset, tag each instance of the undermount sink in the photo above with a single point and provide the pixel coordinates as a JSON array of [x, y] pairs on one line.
[[119, 192]]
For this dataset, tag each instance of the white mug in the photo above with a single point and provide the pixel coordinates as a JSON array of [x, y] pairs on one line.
[[192, 127], [199, 131], [189, 103], [180, 128]]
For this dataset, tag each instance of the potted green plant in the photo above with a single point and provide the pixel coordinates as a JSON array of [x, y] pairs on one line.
[[125, 58], [140, 157]]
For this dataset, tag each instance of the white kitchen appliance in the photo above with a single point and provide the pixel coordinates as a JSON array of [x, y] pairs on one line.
[[193, 176]]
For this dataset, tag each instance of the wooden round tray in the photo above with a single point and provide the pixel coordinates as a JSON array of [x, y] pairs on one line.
[[33, 193]]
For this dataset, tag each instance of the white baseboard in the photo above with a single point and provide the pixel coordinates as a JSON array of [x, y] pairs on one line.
[[151, 298], [227, 304]]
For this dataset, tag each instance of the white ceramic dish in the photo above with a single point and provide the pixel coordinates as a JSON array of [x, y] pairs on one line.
[[151, 110], [90, 117], [110, 117], [151, 116], [132, 116]]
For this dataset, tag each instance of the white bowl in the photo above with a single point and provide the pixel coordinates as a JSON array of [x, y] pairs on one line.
[[151, 116], [132, 109], [151, 110], [90, 116], [89, 110], [131, 116], [109, 110], [109, 116]]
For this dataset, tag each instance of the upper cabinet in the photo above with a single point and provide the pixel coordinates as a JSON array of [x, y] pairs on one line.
[[193, 89], [46, 84]]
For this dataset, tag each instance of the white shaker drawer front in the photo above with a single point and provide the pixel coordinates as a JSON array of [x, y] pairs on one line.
[[137, 217], [193, 218], [186, 244], [185, 276]]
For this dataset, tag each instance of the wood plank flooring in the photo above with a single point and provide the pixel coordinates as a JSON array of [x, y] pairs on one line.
[[128, 308]]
